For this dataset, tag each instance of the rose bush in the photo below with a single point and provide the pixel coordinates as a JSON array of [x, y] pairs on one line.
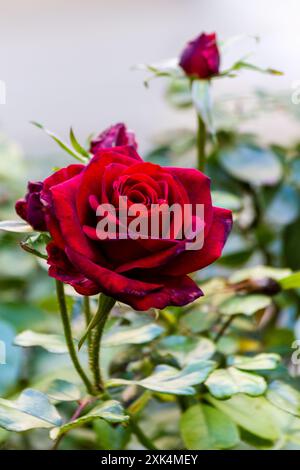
[[143, 273]]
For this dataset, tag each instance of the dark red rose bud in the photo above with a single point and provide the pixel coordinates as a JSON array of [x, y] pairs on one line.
[[201, 57], [114, 136], [31, 208]]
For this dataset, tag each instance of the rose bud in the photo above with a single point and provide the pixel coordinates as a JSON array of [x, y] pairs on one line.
[[201, 58], [31, 208], [114, 136]]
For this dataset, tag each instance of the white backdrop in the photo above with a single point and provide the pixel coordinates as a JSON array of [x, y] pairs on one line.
[[68, 61]]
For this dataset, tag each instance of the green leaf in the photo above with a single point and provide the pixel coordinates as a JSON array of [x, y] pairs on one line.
[[253, 414], [245, 305], [197, 321], [262, 361], [206, 428], [16, 226], [187, 350], [79, 149], [35, 245], [202, 101], [61, 390], [111, 411], [226, 200], [166, 379], [105, 304], [52, 343], [291, 282], [111, 437], [243, 65], [132, 335], [62, 144], [243, 161], [31, 410], [284, 396], [224, 383]]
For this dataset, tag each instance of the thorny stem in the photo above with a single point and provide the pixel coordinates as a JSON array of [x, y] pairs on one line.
[[105, 305], [68, 335]]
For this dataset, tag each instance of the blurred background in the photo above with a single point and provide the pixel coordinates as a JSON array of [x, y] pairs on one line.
[[69, 63]]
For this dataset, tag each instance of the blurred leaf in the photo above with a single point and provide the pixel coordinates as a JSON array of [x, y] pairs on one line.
[[132, 335], [284, 397], [197, 321], [261, 361], [16, 226], [187, 350], [226, 200], [223, 383], [253, 414], [179, 93], [259, 272], [61, 390], [243, 162], [111, 411], [22, 315], [202, 101], [284, 207], [291, 282], [52, 343], [166, 379], [206, 428], [291, 245], [246, 305], [10, 358], [111, 437], [31, 410]]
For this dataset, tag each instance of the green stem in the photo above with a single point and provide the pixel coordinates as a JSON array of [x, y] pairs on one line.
[[68, 335], [224, 328], [143, 439], [104, 308], [201, 141]]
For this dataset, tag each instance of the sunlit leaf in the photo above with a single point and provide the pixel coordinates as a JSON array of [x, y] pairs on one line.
[[31, 410], [132, 334], [111, 411], [246, 305], [167, 379], [52, 343], [17, 226], [263, 361], [187, 350], [291, 282], [223, 383]]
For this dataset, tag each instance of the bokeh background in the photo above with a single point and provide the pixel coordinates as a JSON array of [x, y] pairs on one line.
[[69, 63]]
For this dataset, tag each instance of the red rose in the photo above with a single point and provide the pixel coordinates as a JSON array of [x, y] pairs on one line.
[[114, 136], [143, 273], [30, 208], [201, 57]]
